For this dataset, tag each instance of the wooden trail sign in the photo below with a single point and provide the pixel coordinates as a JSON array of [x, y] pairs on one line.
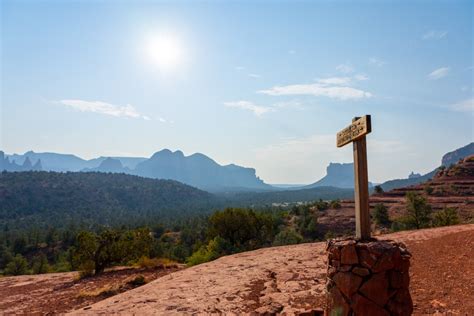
[[355, 133]]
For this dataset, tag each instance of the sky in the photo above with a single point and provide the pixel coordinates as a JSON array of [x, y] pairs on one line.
[[257, 83]]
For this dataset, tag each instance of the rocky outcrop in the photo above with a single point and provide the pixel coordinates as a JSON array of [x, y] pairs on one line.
[[339, 175], [6, 165], [455, 155], [199, 171], [109, 165], [368, 278]]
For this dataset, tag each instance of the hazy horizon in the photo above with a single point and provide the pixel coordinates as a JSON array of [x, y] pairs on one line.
[[258, 84]]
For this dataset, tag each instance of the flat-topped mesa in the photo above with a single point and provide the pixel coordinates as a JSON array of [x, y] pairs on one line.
[[369, 277]]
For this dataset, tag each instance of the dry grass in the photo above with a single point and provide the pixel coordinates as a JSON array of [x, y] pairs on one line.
[[107, 290], [153, 263]]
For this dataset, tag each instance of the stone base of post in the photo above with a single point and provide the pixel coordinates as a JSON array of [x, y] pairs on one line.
[[368, 278]]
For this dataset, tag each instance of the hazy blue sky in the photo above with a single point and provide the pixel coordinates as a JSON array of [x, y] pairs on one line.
[[257, 83]]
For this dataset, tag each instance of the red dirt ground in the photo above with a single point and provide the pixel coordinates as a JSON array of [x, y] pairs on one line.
[[289, 279]]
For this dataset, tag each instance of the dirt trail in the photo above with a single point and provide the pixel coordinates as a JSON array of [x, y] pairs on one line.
[[290, 279]]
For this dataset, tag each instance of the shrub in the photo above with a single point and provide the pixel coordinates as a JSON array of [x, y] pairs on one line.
[[105, 291], [335, 204], [40, 264], [17, 266], [381, 215], [137, 281], [428, 189], [321, 205], [448, 216], [245, 229], [214, 249], [329, 235], [287, 237], [418, 211], [110, 247], [86, 269], [155, 263], [378, 189]]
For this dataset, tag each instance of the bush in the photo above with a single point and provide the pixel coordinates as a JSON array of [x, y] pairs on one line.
[[418, 211], [287, 237], [215, 248], [428, 190], [335, 204], [448, 216], [137, 281], [244, 229], [378, 189], [17, 266], [41, 265], [155, 263], [110, 247], [86, 269], [329, 235], [381, 215]]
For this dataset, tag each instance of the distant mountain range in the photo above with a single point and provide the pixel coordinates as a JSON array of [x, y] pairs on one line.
[[200, 171], [196, 170]]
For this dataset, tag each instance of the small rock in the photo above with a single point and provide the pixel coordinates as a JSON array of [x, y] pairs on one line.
[[363, 306], [376, 289], [337, 304], [366, 258], [361, 271], [347, 283], [349, 255], [384, 263]]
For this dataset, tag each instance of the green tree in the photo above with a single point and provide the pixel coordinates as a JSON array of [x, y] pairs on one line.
[[110, 247], [19, 245], [5, 257], [243, 228], [428, 189], [381, 215], [214, 249], [17, 266], [378, 189], [448, 216], [418, 211], [287, 237], [335, 204], [41, 264]]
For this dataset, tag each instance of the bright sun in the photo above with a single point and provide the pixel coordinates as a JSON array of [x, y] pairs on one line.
[[165, 51]]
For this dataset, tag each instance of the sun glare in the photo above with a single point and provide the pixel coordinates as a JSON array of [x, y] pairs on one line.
[[165, 51]]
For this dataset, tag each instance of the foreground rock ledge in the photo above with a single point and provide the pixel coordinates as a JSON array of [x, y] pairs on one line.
[[368, 278]]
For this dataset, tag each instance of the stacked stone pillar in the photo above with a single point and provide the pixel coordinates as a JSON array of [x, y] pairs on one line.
[[368, 278]]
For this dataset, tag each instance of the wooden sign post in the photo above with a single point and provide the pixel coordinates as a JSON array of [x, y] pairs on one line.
[[355, 133]]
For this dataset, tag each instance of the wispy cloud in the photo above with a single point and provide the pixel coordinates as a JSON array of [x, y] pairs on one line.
[[239, 68], [335, 80], [433, 34], [376, 62], [345, 68], [361, 77], [292, 51], [338, 81], [439, 73], [104, 108], [256, 76], [258, 110], [330, 90], [464, 106]]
